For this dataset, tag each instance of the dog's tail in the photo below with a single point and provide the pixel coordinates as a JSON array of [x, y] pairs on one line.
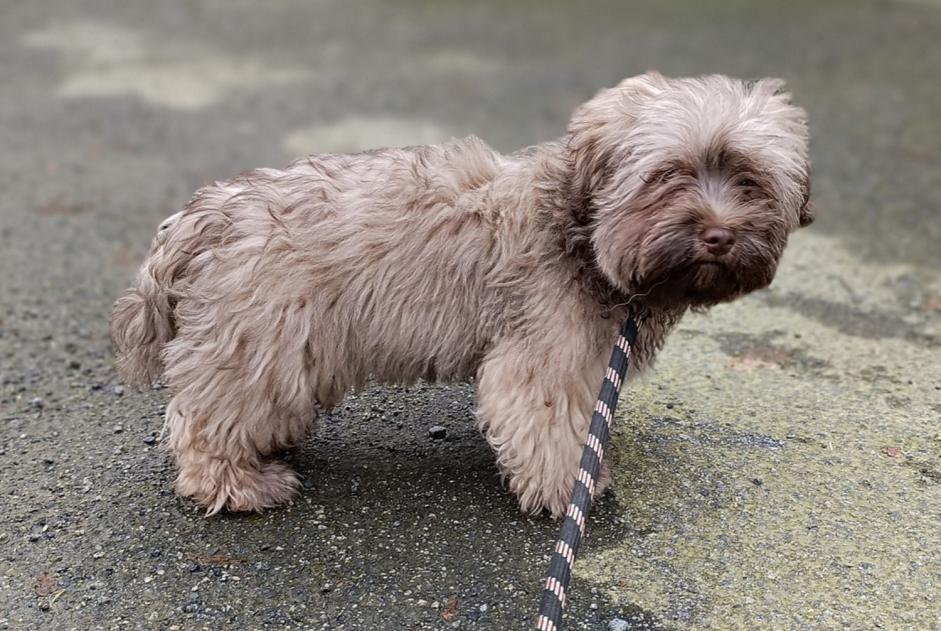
[[142, 321]]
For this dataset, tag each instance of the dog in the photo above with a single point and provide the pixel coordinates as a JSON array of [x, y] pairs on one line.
[[272, 295]]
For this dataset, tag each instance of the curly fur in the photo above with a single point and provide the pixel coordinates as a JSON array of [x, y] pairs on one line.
[[272, 295]]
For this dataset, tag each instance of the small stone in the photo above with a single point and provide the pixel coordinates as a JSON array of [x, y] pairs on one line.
[[483, 608], [150, 440], [617, 624], [36, 403], [437, 432], [892, 452], [593, 606], [422, 603], [74, 364], [117, 429], [118, 391]]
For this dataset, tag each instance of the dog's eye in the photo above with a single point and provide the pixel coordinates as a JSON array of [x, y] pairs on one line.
[[747, 182]]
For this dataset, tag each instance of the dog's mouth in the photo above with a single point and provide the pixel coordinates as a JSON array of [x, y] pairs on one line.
[[709, 281], [699, 283], [709, 268]]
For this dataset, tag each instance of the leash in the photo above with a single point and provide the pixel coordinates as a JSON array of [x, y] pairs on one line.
[[573, 527]]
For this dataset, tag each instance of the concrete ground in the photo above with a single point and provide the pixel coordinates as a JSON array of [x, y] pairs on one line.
[[781, 470]]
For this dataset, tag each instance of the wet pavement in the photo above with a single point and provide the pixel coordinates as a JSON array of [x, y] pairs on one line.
[[781, 469]]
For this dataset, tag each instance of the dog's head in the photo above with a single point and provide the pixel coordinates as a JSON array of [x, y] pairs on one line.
[[691, 186]]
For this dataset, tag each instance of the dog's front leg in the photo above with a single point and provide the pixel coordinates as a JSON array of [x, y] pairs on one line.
[[534, 405]]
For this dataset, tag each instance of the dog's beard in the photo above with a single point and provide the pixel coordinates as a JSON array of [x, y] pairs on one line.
[[701, 281], [710, 281], [697, 284]]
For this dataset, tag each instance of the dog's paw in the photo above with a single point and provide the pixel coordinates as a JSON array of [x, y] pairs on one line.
[[273, 484], [223, 485]]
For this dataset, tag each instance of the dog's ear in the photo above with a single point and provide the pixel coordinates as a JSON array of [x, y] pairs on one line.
[[808, 213], [594, 142]]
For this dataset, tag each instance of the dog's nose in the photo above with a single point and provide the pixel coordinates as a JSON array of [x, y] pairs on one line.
[[718, 240]]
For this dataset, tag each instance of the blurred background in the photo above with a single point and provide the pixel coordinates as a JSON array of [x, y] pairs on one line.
[[780, 470]]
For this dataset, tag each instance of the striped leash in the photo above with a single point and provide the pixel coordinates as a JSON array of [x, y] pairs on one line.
[[573, 527]]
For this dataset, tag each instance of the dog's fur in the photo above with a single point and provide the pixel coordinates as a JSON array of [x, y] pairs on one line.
[[272, 295]]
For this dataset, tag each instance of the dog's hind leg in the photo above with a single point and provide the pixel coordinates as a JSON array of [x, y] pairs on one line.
[[226, 467], [243, 394], [535, 407]]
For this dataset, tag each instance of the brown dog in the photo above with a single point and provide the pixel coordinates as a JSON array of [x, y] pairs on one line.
[[272, 295]]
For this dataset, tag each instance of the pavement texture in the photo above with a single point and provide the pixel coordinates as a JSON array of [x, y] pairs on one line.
[[780, 470]]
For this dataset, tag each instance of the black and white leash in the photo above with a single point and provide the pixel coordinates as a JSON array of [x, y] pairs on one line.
[[573, 527]]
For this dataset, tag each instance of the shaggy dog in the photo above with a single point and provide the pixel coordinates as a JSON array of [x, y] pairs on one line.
[[272, 295]]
